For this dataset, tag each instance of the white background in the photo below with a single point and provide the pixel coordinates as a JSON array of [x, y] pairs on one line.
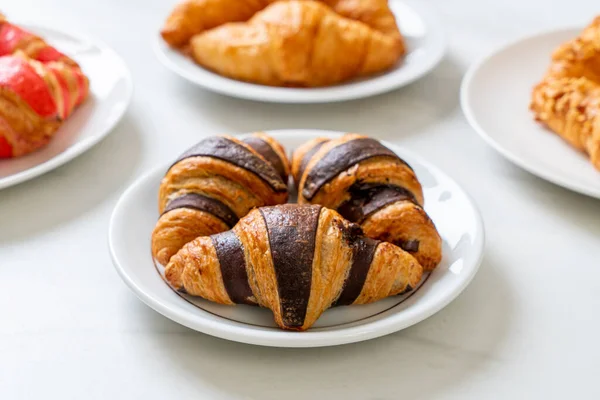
[[527, 327]]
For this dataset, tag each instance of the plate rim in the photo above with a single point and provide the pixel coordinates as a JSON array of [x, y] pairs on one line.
[[78, 148], [466, 101], [240, 332], [271, 94]]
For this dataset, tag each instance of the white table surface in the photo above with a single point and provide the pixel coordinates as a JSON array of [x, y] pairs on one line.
[[527, 327]]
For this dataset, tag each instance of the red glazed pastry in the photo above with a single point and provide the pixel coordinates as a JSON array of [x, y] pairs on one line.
[[13, 38], [34, 99], [39, 88]]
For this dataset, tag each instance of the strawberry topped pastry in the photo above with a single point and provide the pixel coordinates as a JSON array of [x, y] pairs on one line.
[[40, 88]]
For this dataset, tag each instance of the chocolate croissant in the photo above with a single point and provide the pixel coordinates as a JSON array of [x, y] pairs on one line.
[[567, 100], [370, 185], [35, 98], [213, 184], [297, 43], [296, 260]]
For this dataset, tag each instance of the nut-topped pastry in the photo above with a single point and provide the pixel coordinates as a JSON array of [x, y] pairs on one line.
[[567, 100]]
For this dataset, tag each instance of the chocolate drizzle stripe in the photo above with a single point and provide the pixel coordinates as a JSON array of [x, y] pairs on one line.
[[233, 267], [365, 199], [411, 245], [263, 148], [307, 157], [339, 159], [292, 231], [203, 203], [363, 250], [227, 150]]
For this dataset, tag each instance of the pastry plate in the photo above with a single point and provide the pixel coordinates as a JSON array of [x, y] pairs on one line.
[[424, 39], [448, 205], [110, 94], [495, 97]]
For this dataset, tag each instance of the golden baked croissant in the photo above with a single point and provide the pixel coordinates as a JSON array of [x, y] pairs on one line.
[[370, 185], [192, 17], [295, 260], [35, 98], [195, 16], [296, 43], [568, 99], [213, 184]]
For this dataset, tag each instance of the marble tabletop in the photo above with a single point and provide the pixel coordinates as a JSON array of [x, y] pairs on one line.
[[526, 327]]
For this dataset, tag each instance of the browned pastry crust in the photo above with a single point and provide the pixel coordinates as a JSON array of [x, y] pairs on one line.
[[370, 185], [287, 43], [568, 99], [297, 260], [192, 17], [272, 151], [571, 108], [214, 184], [195, 16], [579, 57], [296, 43], [22, 128]]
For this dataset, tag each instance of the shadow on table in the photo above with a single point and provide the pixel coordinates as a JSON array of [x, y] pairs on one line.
[[73, 189], [582, 211], [392, 115], [424, 361]]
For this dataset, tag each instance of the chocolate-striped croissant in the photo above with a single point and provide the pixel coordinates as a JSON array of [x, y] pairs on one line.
[[370, 185], [215, 183], [297, 260]]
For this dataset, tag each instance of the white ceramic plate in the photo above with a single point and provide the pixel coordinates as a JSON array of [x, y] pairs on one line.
[[495, 97], [110, 93], [425, 43], [448, 205]]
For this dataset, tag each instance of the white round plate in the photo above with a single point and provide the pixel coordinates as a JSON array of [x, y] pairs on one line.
[[110, 93], [424, 39], [495, 98], [454, 214]]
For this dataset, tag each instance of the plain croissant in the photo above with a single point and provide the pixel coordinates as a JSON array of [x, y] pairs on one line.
[[192, 17], [297, 260], [213, 184], [568, 98], [297, 43], [370, 185]]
